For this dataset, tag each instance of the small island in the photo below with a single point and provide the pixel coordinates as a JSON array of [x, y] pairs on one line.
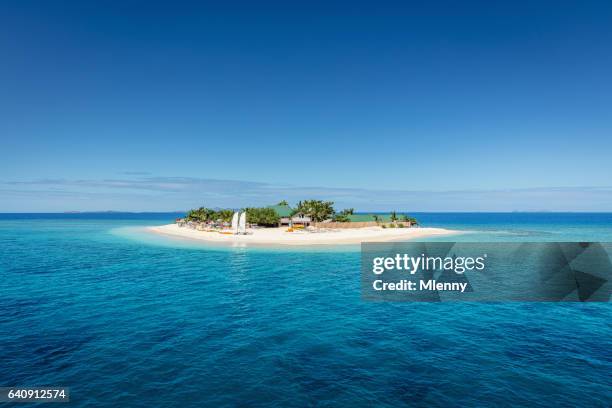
[[309, 222]]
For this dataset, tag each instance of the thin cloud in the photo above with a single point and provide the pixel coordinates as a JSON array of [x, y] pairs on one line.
[[135, 173], [163, 193]]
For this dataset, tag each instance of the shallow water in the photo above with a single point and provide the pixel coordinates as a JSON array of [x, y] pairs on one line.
[[131, 319]]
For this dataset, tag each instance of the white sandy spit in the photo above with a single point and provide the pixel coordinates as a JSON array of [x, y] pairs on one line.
[[280, 236]]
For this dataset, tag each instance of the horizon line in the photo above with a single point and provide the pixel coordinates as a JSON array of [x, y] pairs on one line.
[[357, 212]]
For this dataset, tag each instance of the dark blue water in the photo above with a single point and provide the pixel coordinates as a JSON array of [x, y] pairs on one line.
[[87, 302]]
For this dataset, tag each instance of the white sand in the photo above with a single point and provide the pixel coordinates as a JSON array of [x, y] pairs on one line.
[[280, 236]]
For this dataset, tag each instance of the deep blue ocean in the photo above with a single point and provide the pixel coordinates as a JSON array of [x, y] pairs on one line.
[[125, 318]]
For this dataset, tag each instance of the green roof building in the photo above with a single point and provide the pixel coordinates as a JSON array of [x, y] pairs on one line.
[[283, 211]]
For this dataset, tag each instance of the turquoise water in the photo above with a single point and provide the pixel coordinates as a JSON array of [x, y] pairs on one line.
[[126, 319]]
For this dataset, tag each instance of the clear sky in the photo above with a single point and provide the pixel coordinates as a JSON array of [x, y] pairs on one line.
[[435, 106]]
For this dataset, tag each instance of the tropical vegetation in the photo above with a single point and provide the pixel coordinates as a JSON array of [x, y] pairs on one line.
[[317, 210], [266, 217], [343, 216], [204, 214], [411, 220]]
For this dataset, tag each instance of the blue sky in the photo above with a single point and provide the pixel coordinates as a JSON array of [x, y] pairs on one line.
[[458, 106]]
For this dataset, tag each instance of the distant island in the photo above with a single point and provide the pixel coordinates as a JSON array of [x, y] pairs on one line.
[[315, 213], [309, 222]]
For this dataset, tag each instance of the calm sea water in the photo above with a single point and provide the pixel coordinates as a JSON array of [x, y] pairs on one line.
[[127, 319]]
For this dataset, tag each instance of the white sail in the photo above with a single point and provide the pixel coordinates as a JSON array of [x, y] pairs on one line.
[[242, 223], [235, 222]]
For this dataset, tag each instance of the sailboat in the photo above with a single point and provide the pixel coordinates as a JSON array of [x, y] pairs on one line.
[[235, 222], [242, 224]]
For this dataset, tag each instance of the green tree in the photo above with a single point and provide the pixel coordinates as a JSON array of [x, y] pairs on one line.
[[393, 216], [343, 216], [266, 217], [223, 215], [197, 214], [284, 202], [204, 214], [407, 219], [317, 210]]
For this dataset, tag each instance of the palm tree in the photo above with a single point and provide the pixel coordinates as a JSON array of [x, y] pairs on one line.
[[317, 210], [343, 216], [393, 216]]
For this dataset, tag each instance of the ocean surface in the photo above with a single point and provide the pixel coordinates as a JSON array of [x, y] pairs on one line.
[[125, 318]]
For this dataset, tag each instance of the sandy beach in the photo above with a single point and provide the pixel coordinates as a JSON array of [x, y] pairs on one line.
[[280, 236]]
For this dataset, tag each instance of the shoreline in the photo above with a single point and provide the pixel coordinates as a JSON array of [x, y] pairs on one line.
[[280, 236]]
